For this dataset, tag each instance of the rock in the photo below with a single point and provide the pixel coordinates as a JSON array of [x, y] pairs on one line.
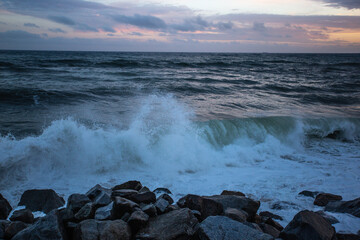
[[161, 205], [3, 225], [307, 193], [224, 228], [174, 207], [272, 223], [177, 224], [122, 206], [236, 214], [331, 219], [150, 210], [207, 207], [270, 215], [167, 198], [77, 201], [66, 215], [43, 200], [162, 190], [253, 226], [137, 220], [352, 207], [104, 213], [13, 228], [97, 190], [323, 199], [126, 217], [86, 212], [125, 193], [5, 208], [197, 214], [266, 228], [23, 215], [308, 225], [242, 203], [232, 193], [94, 230], [146, 197], [255, 219], [281, 205], [70, 228], [48, 227], [347, 236], [135, 185], [144, 189]]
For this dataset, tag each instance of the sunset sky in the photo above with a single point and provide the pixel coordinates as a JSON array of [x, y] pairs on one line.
[[186, 25]]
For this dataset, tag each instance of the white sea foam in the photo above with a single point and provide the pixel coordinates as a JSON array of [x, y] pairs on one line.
[[270, 159]]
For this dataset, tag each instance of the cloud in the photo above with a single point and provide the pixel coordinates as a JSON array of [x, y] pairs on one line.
[[349, 4], [85, 28], [108, 29], [31, 25], [56, 30], [259, 27], [141, 21], [62, 20]]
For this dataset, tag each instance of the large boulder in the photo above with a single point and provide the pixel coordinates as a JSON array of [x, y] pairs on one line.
[[86, 212], [3, 225], [43, 200], [48, 227], [177, 224], [104, 213], [5, 208], [76, 201], [222, 227], [236, 214], [232, 193], [122, 206], [105, 230], [13, 228], [307, 193], [23, 215], [135, 185], [270, 215], [242, 203], [146, 197], [352, 207], [308, 225], [206, 206], [137, 220], [323, 199]]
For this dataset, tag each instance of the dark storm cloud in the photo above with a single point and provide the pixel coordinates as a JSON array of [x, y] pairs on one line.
[[62, 20], [56, 30], [349, 4], [142, 21], [31, 25]]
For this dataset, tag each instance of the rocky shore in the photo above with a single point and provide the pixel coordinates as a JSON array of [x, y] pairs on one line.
[[132, 211]]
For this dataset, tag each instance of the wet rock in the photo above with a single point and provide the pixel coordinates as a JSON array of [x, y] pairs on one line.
[[307, 193], [104, 213], [48, 227], [197, 214], [146, 197], [77, 201], [253, 226], [137, 220], [270, 215], [281, 205], [13, 228], [150, 210], [331, 219], [173, 207], [86, 212], [23, 215], [347, 236], [232, 193], [167, 198], [70, 228], [122, 206], [272, 223], [125, 193], [97, 190], [177, 224], [5, 208], [352, 207], [162, 190], [308, 225], [135, 185], [161, 205], [266, 228], [66, 215], [43, 200], [3, 225], [126, 217], [242, 203], [221, 227], [93, 230], [323, 199], [236, 214], [144, 189], [207, 207]]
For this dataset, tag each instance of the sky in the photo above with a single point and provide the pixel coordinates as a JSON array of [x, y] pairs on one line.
[[314, 26]]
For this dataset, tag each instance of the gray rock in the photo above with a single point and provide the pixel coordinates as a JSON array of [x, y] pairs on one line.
[[161, 205], [222, 227], [150, 210], [323, 199], [266, 228], [105, 230], [77, 201], [125, 193], [144, 189], [347, 236], [5, 208], [135, 185], [86, 212], [162, 190], [23, 215], [331, 219], [13, 228], [232, 193], [308, 225], [167, 198], [102, 200], [253, 226], [146, 197], [206, 206], [122, 206], [352, 207], [104, 213], [236, 214], [177, 224], [95, 191], [3, 225], [48, 227], [43, 200], [272, 223], [137, 220], [270, 215], [307, 193]]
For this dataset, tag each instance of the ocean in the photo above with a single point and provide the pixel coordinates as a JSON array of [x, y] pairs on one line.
[[268, 125]]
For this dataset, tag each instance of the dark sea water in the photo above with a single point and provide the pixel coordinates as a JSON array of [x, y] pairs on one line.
[[270, 125]]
